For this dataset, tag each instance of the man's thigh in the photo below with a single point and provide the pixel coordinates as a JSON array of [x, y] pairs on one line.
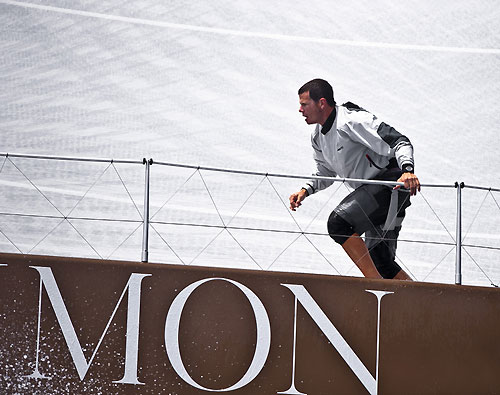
[[365, 207]]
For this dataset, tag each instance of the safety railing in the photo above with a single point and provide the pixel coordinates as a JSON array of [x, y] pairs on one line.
[[175, 213]]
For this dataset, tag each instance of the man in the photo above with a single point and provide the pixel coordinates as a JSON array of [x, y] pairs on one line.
[[350, 142]]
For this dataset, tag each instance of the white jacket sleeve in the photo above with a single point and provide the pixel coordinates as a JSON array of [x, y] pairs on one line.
[[315, 185], [381, 138]]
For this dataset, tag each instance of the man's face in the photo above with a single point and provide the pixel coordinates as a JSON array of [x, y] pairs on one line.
[[309, 108]]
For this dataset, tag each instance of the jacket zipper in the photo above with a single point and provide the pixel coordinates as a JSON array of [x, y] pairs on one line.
[[372, 163]]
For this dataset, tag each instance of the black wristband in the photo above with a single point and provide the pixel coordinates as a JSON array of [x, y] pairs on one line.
[[407, 168]]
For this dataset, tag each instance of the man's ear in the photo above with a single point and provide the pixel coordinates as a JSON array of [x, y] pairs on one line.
[[322, 102]]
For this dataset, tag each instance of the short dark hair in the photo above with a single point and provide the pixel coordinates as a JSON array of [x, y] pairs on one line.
[[317, 89]]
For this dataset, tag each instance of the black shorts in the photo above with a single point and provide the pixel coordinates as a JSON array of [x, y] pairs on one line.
[[365, 211]]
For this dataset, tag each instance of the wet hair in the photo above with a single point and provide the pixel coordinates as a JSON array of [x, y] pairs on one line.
[[318, 89]]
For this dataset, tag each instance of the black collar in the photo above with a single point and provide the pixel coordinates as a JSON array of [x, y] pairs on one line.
[[329, 121]]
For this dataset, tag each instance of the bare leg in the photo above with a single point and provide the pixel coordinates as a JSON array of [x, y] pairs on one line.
[[355, 247], [402, 275]]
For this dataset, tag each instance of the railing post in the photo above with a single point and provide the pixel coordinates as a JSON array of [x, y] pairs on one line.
[[458, 237], [145, 226]]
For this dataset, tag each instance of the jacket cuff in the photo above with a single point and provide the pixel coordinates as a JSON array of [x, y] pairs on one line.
[[407, 167], [309, 188]]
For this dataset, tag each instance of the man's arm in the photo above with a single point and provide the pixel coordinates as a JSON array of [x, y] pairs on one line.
[[322, 168], [313, 185], [297, 198], [411, 182], [387, 141], [366, 129]]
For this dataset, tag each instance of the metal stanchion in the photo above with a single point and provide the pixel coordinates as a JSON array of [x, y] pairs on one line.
[[458, 254], [145, 228]]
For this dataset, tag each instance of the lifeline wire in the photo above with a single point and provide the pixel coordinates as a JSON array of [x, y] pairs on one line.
[[128, 193], [224, 226], [223, 223], [302, 232], [298, 226], [439, 263], [168, 245], [480, 268], [124, 240], [475, 216], [172, 196], [4, 235], [59, 211]]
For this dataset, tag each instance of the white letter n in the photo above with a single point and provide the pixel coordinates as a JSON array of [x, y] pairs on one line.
[[334, 336]]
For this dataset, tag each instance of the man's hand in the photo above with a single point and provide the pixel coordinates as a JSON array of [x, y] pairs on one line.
[[297, 198], [411, 182]]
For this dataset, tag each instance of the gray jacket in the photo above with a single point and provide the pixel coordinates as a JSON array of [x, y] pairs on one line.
[[353, 143]]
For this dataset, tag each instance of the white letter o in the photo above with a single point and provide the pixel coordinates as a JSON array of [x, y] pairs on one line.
[[172, 335]]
